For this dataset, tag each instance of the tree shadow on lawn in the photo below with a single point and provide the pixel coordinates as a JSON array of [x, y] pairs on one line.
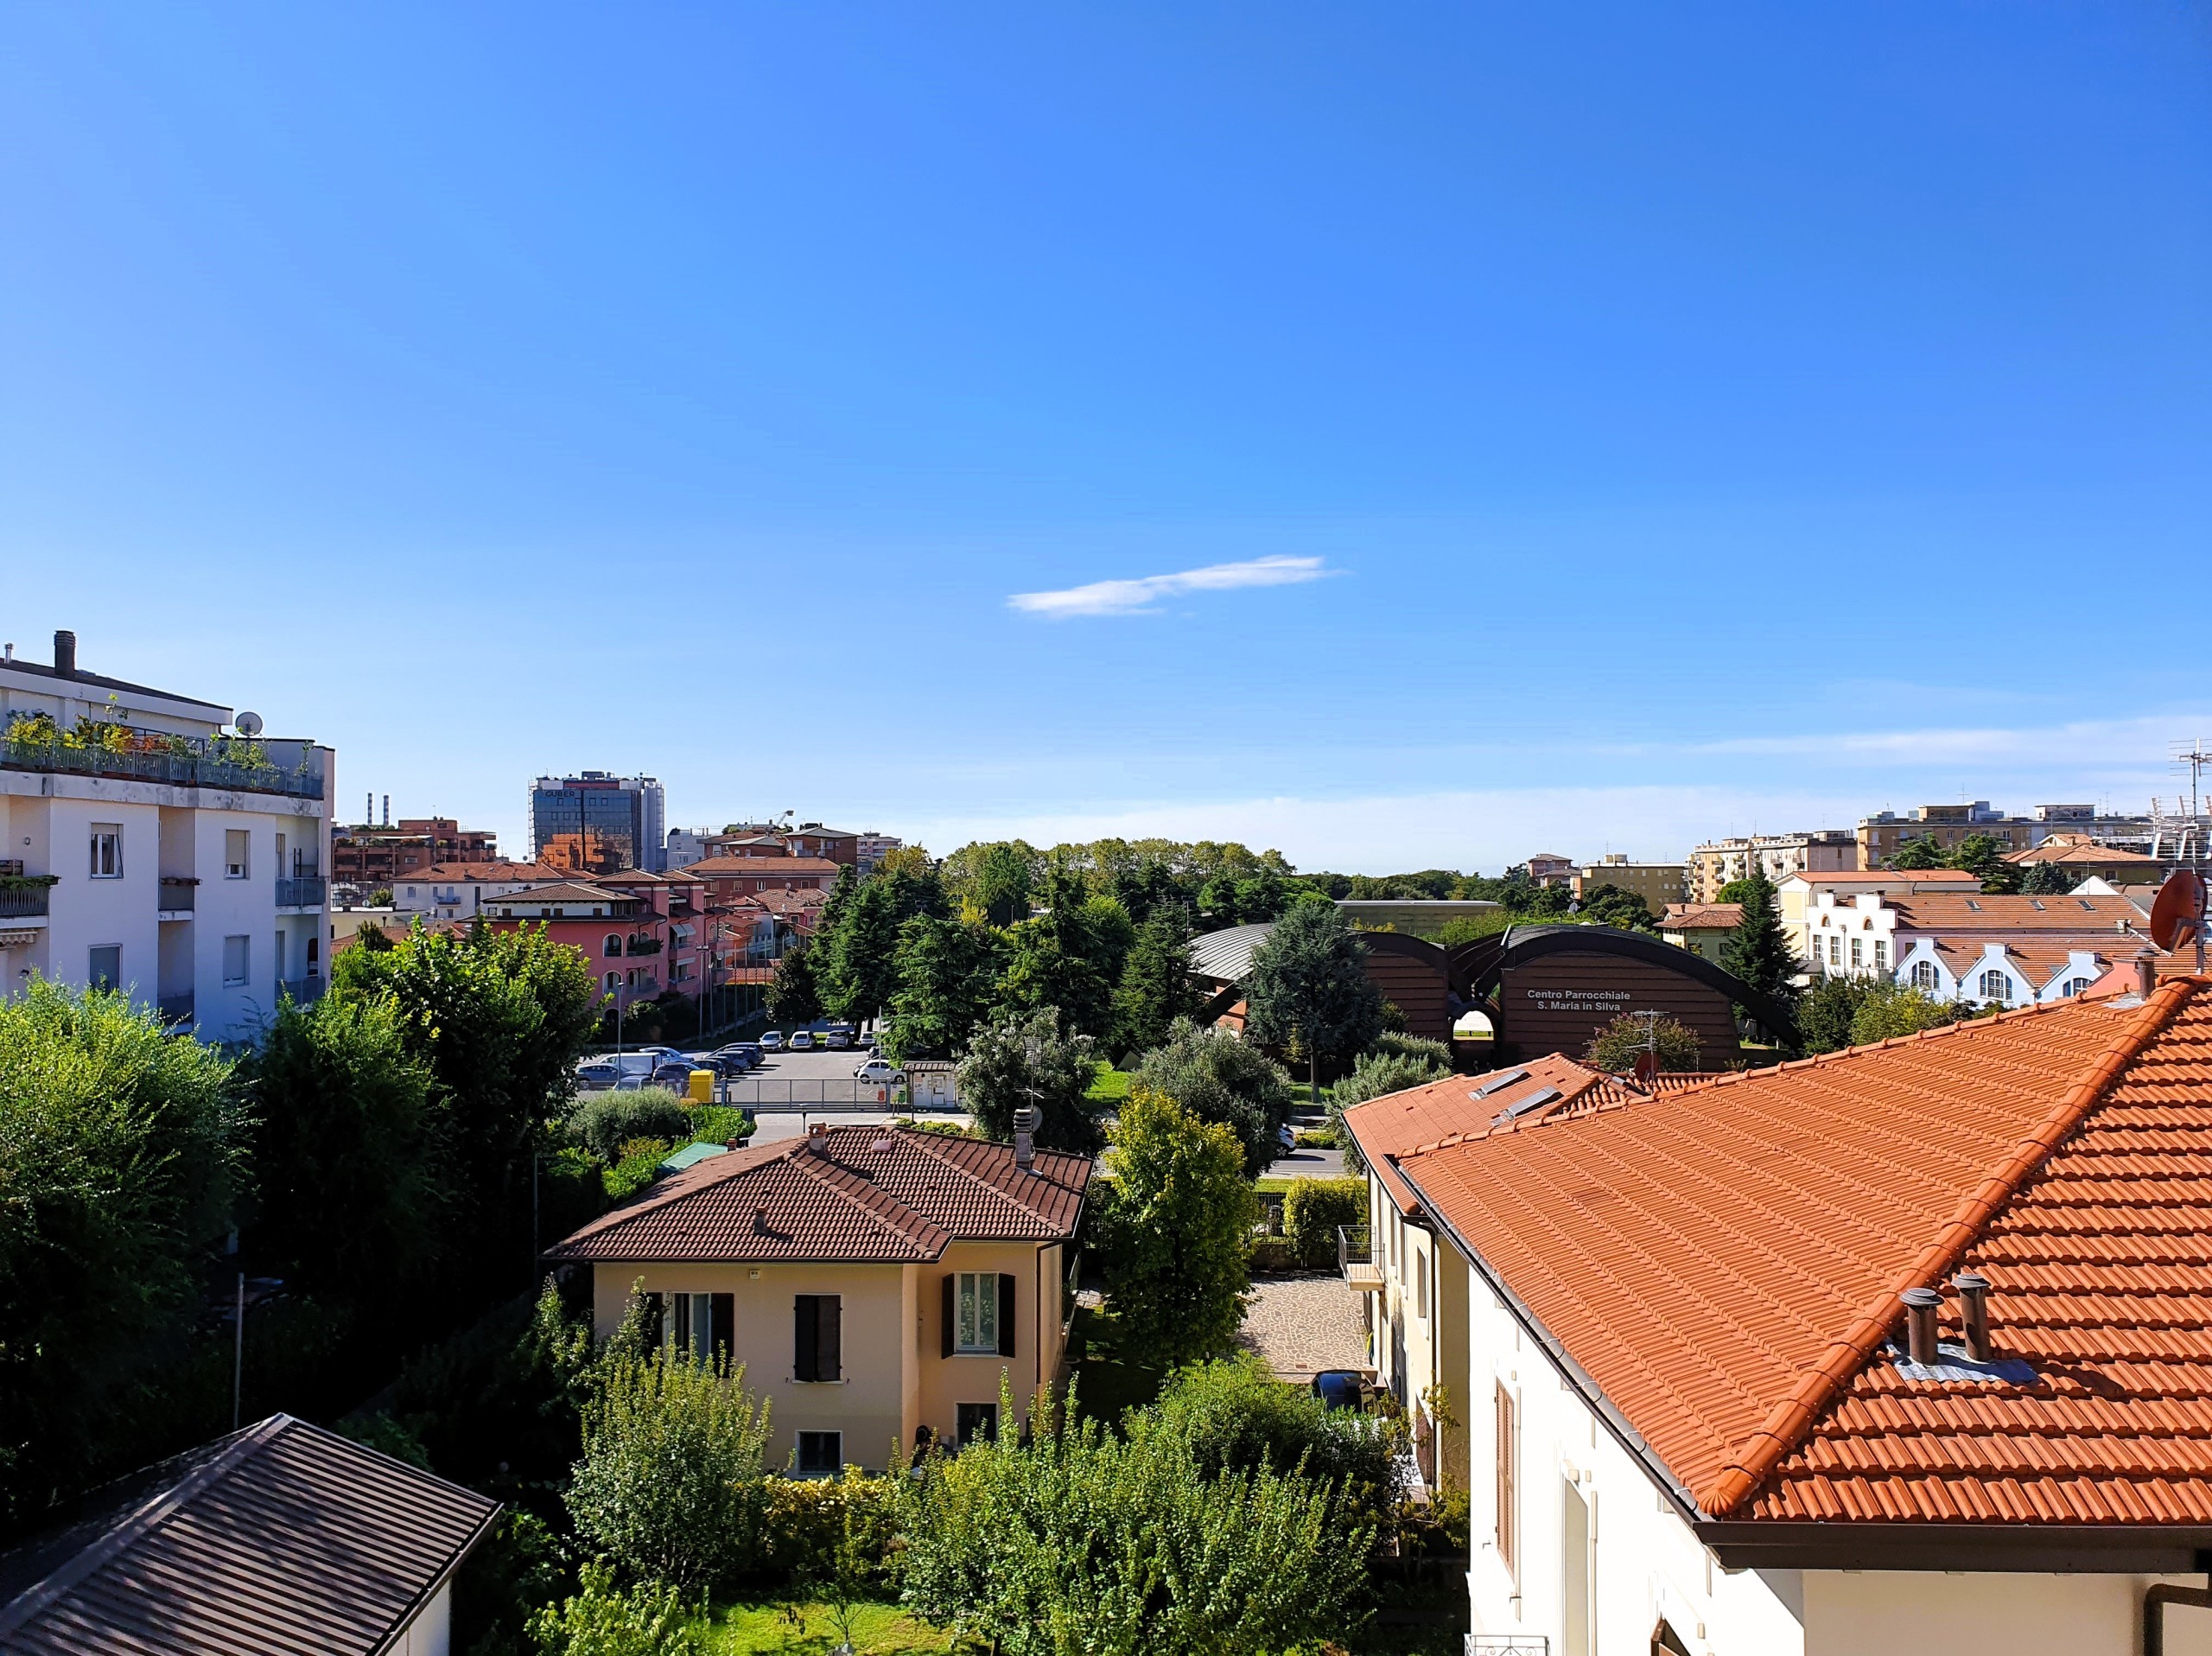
[[1106, 1379]]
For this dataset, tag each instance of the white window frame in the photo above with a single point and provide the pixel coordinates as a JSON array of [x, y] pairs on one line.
[[241, 840], [2002, 992], [107, 837], [245, 940], [971, 1336], [1925, 977]]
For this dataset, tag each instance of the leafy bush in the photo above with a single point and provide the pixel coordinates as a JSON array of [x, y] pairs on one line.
[[603, 1122], [1177, 1219], [1086, 1541], [387, 1436], [806, 1522], [600, 1620], [1890, 1009], [1615, 1048], [1312, 1212], [1020, 1059], [671, 1485], [517, 1570], [1398, 1044], [1395, 1063], [1234, 1414], [1220, 1079], [1272, 1255]]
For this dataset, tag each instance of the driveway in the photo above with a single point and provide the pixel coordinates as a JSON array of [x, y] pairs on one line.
[[1301, 1325], [1308, 1164]]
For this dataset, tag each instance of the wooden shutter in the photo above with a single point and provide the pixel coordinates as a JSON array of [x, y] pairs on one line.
[[1508, 1445], [725, 1330], [829, 1317], [656, 1319], [807, 1336], [1005, 1315], [951, 1295]]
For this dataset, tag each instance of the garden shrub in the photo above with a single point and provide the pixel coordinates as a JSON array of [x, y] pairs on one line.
[[518, 1569], [670, 1484], [1084, 1540], [804, 1524], [1272, 1255], [605, 1121], [1234, 1414], [1379, 1072], [1312, 1212], [601, 1620], [1398, 1044]]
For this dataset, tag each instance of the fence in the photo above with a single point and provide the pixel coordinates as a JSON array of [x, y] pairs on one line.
[[814, 1095]]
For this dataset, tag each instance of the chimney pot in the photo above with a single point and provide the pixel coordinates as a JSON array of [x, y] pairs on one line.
[[2146, 972], [1025, 1141], [1920, 1306], [65, 654], [1973, 1313]]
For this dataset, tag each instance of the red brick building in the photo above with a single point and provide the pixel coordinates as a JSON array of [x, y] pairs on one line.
[[369, 856]]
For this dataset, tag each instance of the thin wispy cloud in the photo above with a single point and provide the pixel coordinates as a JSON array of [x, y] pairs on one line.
[[1142, 596]]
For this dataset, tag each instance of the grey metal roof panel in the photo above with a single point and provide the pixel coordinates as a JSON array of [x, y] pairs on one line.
[[285, 1538], [1226, 956]]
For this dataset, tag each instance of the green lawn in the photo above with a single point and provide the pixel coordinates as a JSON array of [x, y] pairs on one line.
[[801, 1629], [1105, 1385], [1111, 1086]]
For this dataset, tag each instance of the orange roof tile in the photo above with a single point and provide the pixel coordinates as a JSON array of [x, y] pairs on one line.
[[1943, 911], [760, 867], [1701, 916], [1723, 1262]]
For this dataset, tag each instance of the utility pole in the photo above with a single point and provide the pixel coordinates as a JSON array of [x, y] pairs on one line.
[[237, 1357]]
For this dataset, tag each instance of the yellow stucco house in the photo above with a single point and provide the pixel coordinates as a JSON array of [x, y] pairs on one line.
[[875, 1282]]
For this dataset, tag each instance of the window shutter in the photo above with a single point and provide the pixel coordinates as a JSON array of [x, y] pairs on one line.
[[952, 1288], [725, 1329], [829, 1363], [656, 1323], [1005, 1315], [805, 1336]]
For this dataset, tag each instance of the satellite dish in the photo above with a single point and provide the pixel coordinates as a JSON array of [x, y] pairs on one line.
[[2177, 916], [248, 725]]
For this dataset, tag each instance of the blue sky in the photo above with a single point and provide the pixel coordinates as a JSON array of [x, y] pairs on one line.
[[1645, 422]]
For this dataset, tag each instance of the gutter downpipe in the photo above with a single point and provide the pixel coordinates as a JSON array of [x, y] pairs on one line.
[[2155, 1600]]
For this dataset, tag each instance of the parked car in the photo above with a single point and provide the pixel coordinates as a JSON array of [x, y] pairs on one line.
[[881, 1073], [631, 1083], [773, 1040], [734, 1060], [1340, 1388], [676, 1076], [639, 1064], [748, 1050], [839, 1040], [1287, 1138], [597, 1077], [801, 1040]]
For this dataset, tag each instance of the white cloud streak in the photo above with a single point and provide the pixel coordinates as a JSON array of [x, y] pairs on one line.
[[1142, 596]]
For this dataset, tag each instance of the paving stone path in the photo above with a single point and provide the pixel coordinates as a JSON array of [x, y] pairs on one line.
[[1301, 1324]]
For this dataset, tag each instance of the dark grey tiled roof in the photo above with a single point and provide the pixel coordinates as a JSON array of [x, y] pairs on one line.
[[281, 1539]]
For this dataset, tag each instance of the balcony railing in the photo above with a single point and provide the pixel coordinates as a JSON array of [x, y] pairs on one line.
[[23, 899], [1508, 1644], [183, 761], [302, 990], [1355, 1257], [644, 946], [177, 894], [175, 1008], [300, 891]]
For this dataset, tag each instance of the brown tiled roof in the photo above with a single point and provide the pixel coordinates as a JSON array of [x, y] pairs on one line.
[[879, 1194], [281, 1539], [1701, 917], [2071, 851], [485, 873], [712, 866], [1724, 1263], [1894, 876], [2039, 959], [1943, 911], [566, 891]]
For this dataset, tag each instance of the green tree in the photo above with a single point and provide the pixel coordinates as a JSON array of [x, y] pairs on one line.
[[859, 966], [1233, 1414], [1178, 1217], [1156, 987], [947, 972], [1983, 857], [601, 1620], [794, 997], [1615, 1048], [1309, 988], [1756, 951], [1085, 1540], [348, 1193], [1890, 1009], [1024, 1058], [1735, 891], [1220, 1079], [670, 1483], [997, 878], [1826, 1011], [121, 1148], [2043, 880], [1069, 956], [1920, 851], [1611, 906]]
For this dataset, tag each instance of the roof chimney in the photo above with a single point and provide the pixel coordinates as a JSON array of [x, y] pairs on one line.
[[1920, 1308], [1024, 1139], [2146, 972], [1973, 1312], [65, 655]]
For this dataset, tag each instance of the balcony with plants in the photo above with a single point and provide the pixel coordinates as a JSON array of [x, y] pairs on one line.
[[93, 746], [25, 897]]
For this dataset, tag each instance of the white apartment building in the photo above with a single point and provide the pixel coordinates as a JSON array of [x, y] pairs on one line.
[[1714, 864], [1971, 946], [150, 841]]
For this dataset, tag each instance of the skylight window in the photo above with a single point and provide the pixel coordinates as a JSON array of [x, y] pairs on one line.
[[1520, 1107], [1499, 1083]]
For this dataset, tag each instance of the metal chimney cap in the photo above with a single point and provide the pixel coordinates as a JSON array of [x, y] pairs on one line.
[[1922, 1298], [1971, 1282]]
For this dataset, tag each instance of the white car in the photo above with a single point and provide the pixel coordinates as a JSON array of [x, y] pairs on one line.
[[773, 1040], [881, 1073], [803, 1041]]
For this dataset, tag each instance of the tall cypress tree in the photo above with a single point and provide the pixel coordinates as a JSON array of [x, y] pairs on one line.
[[1156, 986], [1759, 953]]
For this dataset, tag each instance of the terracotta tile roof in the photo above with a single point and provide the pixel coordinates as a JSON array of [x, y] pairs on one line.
[[2078, 850], [2040, 959], [1701, 916], [877, 1194], [1724, 1261], [485, 873], [568, 891], [278, 1539], [1892, 877], [710, 866], [1942, 911]]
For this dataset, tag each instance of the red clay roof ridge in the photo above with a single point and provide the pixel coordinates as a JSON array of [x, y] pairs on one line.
[[1785, 1426]]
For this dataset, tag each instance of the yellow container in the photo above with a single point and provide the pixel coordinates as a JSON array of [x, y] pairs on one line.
[[703, 1086]]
